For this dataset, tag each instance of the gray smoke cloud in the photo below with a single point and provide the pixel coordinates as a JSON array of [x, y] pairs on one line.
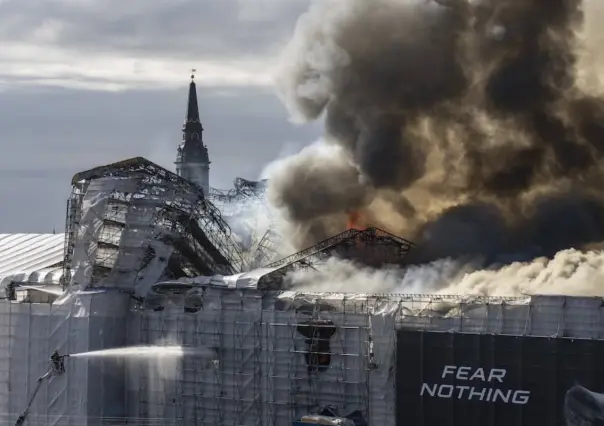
[[472, 127]]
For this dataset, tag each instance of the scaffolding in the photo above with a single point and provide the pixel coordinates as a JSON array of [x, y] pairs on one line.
[[371, 247], [229, 201], [278, 356], [267, 249], [245, 208], [133, 222], [270, 365], [253, 357]]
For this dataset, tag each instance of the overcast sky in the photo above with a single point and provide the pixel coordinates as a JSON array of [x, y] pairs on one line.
[[88, 82]]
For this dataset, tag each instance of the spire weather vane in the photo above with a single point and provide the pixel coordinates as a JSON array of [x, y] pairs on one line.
[[193, 71]]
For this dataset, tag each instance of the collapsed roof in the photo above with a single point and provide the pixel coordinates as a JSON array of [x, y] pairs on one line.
[[133, 221]]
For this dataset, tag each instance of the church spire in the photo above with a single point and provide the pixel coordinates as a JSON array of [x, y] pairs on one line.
[[192, 116], [192, 159]]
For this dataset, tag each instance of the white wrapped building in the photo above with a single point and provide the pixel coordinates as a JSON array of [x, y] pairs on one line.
[[148, 261]]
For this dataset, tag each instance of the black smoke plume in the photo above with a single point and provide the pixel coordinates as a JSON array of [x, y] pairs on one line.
[[460, 124]]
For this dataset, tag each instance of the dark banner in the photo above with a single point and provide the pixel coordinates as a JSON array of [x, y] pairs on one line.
[[458, 379]]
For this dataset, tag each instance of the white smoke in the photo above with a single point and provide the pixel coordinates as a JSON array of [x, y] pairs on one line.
[[570, 272], [249, 220]]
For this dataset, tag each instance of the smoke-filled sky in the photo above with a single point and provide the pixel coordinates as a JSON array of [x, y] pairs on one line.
[[470, 127]]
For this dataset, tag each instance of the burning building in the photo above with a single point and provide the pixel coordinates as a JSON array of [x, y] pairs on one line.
[[157, 258], [149, 261]]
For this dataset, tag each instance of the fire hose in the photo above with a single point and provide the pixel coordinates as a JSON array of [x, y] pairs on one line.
[[56, 367]]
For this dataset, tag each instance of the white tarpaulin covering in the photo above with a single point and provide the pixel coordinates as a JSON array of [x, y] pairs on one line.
[[259, 375], [31, 258], [242, 280], [142, 256], [253, 366], [29, 333], [119, 237], [89, 228]]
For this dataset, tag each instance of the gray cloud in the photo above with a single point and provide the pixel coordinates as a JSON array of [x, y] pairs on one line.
[[49, 130], [175, 29], [47, 135]]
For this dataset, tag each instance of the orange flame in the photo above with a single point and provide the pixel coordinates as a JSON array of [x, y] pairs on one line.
[[355, 221]]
